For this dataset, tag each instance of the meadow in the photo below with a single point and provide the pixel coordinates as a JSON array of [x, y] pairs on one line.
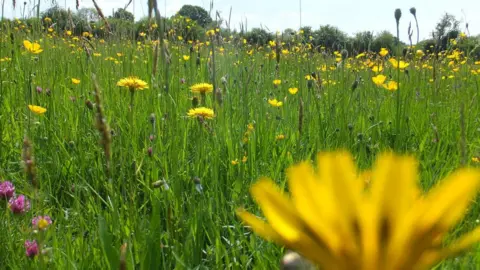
[[132, 178]]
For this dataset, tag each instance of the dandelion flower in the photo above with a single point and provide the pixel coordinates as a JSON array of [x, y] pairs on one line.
[[132, 83], [201, 88], [202, 112], [333, 222], [38, 110], [32, 47], [275, 103]]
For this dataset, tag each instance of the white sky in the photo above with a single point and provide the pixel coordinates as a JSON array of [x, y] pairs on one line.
[[350, 16]]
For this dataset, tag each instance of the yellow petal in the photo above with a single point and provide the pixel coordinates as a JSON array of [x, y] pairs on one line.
[[259, 226], [314, 204], [27, 44], [277, 209]]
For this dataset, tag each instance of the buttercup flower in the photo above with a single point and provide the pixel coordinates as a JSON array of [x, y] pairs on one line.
[[398, 64], [38, 110], [391, 85], [293, 90], [203, 112], [7, 190], [41, 222], [32, 47], [383, 52], [335, 223], [379, 79], [275, 103], [75, 81], [19, 205]]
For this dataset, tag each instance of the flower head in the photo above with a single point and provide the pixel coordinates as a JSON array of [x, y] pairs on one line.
[[38, 110], [32, 47], [383, 52], [379, 79], [132, 83], [275, 103], [75, 81], [7, 190], [41, 222], [201, 88], [203, 112], [277, 82], [332, 221], [391, 85], [398, 64], [19, 205], [293, 90], [31, 248]]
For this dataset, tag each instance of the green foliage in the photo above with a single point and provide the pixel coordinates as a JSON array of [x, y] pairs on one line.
[[330, 37], [384, 39], [259, 36]]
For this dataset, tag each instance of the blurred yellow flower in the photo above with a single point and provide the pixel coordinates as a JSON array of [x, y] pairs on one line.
[[377, 69], [32, 47], [186, 57], [379, 79], [280, 137], [391, 85], [201, 88], [360, 55], [132, 83], [202, 112], [234, 162], [331, 221], [38, 110], [275, 103], [277, 82], [419, 53], [293, 90], [398, 64], [75, 81], [383, 52]]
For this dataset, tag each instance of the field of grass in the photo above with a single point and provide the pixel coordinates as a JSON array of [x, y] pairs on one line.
[[109, 208]]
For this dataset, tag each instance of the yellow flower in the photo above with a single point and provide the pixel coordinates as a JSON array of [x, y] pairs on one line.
[[210, 33], [333, 222], [186, 57], [85, 34], [285, 52], [280, 137], [360, 55], [69, 33], [201, 88], [32, 47], [377, 69], [397, 64], [383, 52], [419, 53], [275, 103], [379, 79], [277, 82], [202, 112], [476, 159], [308, 77], [37, 109], [47, 20], [142, 34], [293, 90], [234, 162], [75, 81], [180, 38], [132, 83], [391, 85], [244, 159]]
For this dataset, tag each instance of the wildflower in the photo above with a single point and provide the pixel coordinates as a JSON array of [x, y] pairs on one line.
[[308, 77], [377, 69], [275, 103], [277, 82], [180, 38], [210, 33], [142, 34], [383, 52], [391, 85], [379, 79], [186, 57], [68, 32], [280, 137], [7, 190], [398, 64], [250, 127], [31, 248], [202, 112], [47, 20], [41, 222], [85, 34], [19, 205], [285, 52], [335, 224], [419, 53], [32, 47], [234, 162], [38, 110], [75, 81], [133, 83], [293, 90], [244, 159], [474, 159], [201, 88]]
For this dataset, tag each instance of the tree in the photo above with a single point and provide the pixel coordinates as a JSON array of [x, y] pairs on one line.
[[329, 37], [384, 39], [258, 36], [362, 41], [123, 14], [447, 28], [88, 14], [196, 13]]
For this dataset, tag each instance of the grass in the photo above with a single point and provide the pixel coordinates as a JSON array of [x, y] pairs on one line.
[[183, 228]]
